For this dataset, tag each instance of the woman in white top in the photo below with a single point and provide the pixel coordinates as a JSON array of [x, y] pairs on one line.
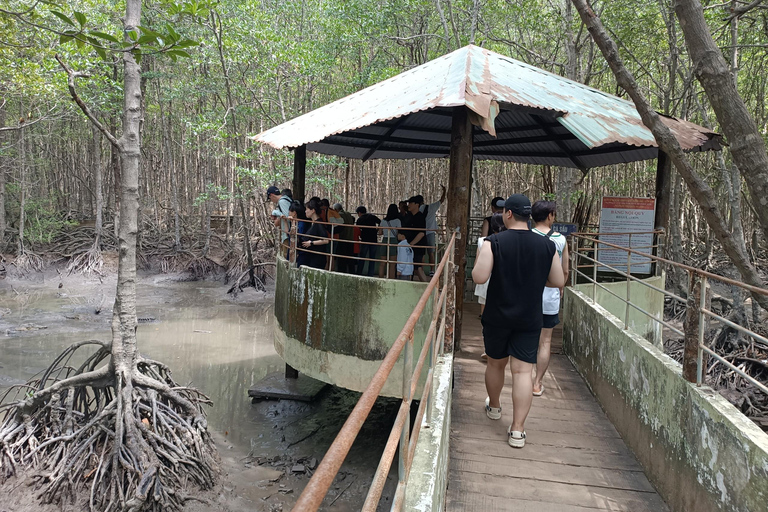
[[388, 230], [495, 225]]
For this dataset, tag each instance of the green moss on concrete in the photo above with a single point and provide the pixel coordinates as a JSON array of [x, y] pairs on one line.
[[699, 451], [343, 315], [642, 296], [428, 479]]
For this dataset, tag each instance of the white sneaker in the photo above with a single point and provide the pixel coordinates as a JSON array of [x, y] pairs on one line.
[[492, 412], [516, 438]]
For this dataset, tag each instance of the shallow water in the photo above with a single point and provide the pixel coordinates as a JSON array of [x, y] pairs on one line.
[[217, 345]]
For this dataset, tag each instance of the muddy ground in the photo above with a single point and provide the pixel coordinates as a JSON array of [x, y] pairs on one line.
[[221, 345]]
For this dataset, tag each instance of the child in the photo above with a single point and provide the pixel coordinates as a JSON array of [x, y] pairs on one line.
[[404, 258]]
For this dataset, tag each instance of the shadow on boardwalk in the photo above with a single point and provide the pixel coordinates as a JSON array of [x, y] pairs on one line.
[[573, 460]]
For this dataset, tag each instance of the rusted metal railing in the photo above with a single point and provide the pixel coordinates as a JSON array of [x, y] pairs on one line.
[[697, 314], [400, 436], [331, 228]]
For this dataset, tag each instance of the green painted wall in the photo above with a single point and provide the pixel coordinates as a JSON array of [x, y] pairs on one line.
[[642, 296], [338, 327], [699, 451]]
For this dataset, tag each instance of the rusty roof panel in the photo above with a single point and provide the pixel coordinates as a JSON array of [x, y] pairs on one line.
[[408, 116]]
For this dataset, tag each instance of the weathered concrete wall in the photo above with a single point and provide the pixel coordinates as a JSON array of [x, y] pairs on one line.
[[428, 480], [338, 327], [698, 450], [644, 297]]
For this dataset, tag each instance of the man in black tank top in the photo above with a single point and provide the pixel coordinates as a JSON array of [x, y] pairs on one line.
[[520, 264]]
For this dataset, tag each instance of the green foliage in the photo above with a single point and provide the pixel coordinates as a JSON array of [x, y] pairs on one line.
[[44, 221]]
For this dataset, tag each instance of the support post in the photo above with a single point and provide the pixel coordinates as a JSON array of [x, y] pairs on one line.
[[291, 372], [459, 184], [299, 172]]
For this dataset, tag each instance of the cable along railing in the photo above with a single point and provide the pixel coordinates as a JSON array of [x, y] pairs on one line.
[[401, 439], [697, 314]]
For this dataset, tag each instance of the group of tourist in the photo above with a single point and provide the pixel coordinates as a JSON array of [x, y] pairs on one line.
[[520, 273], [406, 250]]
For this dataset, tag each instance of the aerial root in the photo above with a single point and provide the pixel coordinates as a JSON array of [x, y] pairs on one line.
[[87, 261], [128, 441]]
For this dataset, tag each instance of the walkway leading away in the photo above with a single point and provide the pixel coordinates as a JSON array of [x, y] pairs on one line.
[[573, 460]]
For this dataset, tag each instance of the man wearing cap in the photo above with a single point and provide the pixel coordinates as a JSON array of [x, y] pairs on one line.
[[416, 236], [283, 203], [430, 215], [520, 264]]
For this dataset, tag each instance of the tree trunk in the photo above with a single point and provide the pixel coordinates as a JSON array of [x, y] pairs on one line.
[[669, 144], [746, 143], [124, 314], [22, 189], [567, 177], [98, 178]]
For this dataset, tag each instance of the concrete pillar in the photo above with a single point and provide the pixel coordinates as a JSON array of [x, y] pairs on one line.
[[299, 172]]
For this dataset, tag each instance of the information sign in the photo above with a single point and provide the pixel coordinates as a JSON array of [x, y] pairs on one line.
[[624, 215], [565, 228]]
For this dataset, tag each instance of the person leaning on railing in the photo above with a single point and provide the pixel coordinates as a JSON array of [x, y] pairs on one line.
[[345, 263], [298, 212], [317, 240], [417, 236], [388, 229]]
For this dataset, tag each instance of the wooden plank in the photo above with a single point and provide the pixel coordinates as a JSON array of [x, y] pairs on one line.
[[559, 439], [477, 419], [474, 502], [476, 408], [551, 472], [573, 460], [534, 451], [600, 498]]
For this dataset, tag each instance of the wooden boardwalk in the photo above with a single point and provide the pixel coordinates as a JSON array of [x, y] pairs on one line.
[[573, 460]]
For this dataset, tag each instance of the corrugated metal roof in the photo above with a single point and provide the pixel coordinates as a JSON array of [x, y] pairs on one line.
[[525, 114]]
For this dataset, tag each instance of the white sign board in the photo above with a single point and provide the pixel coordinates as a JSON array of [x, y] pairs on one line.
[[624, 215]]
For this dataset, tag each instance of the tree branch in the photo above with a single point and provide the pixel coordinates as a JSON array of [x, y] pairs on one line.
[[71, 75]]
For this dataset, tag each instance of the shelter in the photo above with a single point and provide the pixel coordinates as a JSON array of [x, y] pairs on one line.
[[477, 104]]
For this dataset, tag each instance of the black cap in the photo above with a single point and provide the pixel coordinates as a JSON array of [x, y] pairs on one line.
[[519, 205], [272, 190], [415, 199]]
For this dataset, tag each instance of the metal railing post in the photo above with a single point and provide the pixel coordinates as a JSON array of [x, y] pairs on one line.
[[386, 251], [330, 243], [574, 259], [293, 240], [403, 464], [596, 245], [700, 350], [629, 284], [431, 358], [444, 306]]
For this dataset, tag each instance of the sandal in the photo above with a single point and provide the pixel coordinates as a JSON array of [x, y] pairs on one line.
[[516, 438], [493, 413], [539, 392]]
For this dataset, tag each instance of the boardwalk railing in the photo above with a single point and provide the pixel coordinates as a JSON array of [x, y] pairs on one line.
[[697, 313], [334, 253], [400, 436]]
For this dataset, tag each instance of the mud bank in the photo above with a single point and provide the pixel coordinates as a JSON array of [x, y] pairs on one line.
[[219, 344]]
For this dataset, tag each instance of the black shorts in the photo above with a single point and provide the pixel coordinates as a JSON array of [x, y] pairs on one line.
[[418, 254], [501, 342], [550, 321]]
